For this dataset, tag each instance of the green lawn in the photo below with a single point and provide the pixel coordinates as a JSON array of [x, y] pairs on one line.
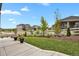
[[64, 46]]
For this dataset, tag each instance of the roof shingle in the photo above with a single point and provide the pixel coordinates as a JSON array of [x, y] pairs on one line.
[[71, 18]]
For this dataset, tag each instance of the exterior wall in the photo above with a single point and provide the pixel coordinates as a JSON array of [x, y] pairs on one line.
[[19, 29], [27, 27], [73, 25], [70, 25], [64, 25]]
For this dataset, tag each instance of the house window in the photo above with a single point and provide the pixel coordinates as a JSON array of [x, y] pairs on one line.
[[77, 24], [64, 25]]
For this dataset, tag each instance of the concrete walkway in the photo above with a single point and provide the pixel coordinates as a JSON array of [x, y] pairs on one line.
[[9, 47]]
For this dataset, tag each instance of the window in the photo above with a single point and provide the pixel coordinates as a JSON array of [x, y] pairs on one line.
[[77, 24], [64, 25]]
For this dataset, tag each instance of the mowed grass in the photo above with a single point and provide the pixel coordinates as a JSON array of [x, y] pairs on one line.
[[64, 46]]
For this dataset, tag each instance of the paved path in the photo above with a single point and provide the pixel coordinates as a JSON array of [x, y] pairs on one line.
[[9, 47]]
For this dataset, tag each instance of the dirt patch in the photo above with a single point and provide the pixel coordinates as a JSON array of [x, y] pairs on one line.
[[73, 38]]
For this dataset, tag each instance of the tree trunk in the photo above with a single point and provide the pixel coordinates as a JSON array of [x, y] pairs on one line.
[[43, 33]]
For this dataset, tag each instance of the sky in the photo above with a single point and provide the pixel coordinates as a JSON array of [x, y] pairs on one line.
[[13, 14]]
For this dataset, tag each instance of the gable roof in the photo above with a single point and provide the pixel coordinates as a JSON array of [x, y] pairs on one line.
[[71, 18]]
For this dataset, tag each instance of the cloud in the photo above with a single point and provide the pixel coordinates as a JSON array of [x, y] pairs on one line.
[[10, 12], [11, 19], [76, 15], [13, 22], [25, 8], [45, 4]]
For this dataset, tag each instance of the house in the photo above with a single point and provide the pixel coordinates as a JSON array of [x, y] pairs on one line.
[[71, 22], [21, 28], [27, 27], [34, 27]]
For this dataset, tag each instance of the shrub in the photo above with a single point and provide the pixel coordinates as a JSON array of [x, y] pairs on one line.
[[68, 32]]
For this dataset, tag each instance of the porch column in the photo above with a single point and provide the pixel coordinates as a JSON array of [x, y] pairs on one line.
[[68, 25]]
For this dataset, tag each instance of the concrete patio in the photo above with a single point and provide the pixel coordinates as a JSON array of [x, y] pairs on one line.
[[9, 47]]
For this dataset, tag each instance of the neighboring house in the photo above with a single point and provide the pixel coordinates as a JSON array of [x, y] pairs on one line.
[[34, 27], [71, 22], [21, 28], [27, 27]]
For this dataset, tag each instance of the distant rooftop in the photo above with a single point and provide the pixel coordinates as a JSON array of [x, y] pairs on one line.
[[71, 18]]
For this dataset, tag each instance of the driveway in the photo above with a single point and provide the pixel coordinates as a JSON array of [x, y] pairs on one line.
[[9, 47]]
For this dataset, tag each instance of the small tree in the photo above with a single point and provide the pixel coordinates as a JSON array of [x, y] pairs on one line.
[[57, 26], [44, 25], [68, 32]]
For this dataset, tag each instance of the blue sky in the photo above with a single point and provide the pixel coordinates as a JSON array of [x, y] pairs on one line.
[[30, 13]]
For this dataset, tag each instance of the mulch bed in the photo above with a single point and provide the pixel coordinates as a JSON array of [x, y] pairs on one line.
[[73, 38]]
